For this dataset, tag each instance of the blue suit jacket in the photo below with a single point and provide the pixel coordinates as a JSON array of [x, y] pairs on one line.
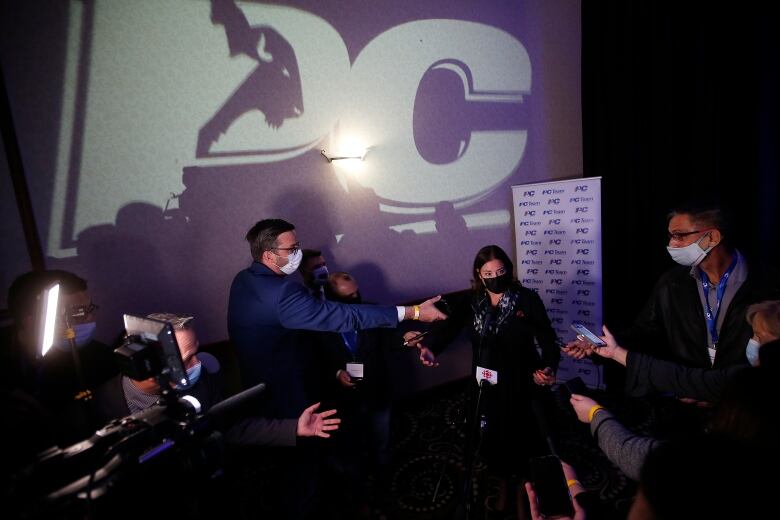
[[266, 313]]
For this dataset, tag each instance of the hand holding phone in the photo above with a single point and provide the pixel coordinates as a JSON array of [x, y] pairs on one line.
[[576, 385], [443, 306], [573, 386], [549, 483], [592, 338]]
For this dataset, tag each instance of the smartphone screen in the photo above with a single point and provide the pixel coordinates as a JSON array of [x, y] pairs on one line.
[[576, 386], [582, 330], [549, 482]]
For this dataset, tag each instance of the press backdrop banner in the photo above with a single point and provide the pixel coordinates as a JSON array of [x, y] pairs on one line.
[[558, 245]]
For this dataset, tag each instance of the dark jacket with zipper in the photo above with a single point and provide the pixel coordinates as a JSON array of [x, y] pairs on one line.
[[672, 326]]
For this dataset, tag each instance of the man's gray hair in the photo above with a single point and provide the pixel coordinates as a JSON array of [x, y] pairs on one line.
[[770, 313], [177, 321]]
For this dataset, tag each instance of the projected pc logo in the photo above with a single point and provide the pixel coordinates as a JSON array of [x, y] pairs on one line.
[[447, 125], [252, 84], [273, 87], [293, 65]]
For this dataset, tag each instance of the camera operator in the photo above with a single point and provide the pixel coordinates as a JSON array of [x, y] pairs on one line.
[[43, 391], [170, 443], [53, 378], [122, 395]]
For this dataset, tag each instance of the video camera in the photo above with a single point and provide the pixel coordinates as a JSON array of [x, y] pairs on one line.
[[164, 451], [150, 350]]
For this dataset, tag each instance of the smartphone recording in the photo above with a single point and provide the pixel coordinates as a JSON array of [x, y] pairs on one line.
[[552, 492], [592, 338]]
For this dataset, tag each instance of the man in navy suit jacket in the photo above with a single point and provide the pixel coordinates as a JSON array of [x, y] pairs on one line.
[[267, 310], [267, 316]]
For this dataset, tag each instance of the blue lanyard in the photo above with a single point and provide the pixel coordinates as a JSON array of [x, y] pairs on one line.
[[350, 340], [710, 316]]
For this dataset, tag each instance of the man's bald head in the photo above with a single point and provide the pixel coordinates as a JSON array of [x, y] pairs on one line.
[[342, 287]]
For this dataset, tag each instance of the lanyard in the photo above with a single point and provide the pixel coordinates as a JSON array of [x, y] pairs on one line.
[[710, 316], [350, 340]]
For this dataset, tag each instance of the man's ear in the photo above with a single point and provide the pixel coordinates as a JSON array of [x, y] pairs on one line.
[[715, 238]]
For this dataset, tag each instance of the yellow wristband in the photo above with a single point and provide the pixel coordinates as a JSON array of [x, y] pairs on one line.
[[416, 312], [572, 482], [595, 408]]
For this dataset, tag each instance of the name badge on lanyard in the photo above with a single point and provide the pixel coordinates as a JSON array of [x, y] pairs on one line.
[[355, 370], [710, 316]]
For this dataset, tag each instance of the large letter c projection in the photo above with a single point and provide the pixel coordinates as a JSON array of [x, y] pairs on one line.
[[494, 68]]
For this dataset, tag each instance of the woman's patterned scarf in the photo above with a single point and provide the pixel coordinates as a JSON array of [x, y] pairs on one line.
[[481, 308]]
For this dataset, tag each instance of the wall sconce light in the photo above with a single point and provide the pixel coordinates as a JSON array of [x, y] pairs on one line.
[[331, 159]]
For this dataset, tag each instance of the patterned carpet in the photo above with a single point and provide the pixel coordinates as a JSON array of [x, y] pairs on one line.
[[428, 460], [425, 477]]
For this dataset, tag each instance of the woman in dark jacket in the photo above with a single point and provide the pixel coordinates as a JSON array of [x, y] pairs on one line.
[[506, 321]]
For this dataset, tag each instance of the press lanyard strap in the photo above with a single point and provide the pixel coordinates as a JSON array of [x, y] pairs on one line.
[[350, 340], [712, 317]]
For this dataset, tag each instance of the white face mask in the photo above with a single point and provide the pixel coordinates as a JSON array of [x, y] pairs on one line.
[[691, 254], [293, 261], [751, 352]]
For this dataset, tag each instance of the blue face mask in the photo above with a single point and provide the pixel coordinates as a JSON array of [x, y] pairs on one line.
[[320, 275], [751, 352], [193, 373], [84, 334]]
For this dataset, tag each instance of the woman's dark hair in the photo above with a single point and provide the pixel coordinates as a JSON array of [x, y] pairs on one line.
[[485, 255]]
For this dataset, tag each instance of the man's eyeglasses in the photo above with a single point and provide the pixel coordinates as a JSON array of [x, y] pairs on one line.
[[294, 249], [81, 311], [681, 235]]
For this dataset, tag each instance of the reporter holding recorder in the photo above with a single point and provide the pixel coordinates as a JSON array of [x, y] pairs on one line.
[[647, 374], [504, 319]]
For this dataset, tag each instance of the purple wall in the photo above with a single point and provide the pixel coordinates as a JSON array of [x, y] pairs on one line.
[[120, 104]]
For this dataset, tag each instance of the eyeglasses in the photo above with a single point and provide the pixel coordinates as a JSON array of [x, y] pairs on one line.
[[294, 249], [81, 311], [681, 235]]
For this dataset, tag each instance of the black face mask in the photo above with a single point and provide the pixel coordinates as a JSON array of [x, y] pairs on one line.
[[499, 284]]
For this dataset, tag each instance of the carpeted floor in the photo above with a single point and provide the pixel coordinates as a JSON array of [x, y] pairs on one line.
[[426, 471], [428, 460]]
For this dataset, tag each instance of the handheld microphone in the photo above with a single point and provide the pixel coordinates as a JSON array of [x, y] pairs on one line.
[[486, 323], [489, 318]]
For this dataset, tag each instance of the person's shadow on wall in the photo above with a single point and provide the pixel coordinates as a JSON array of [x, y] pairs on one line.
[[127, 264]]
